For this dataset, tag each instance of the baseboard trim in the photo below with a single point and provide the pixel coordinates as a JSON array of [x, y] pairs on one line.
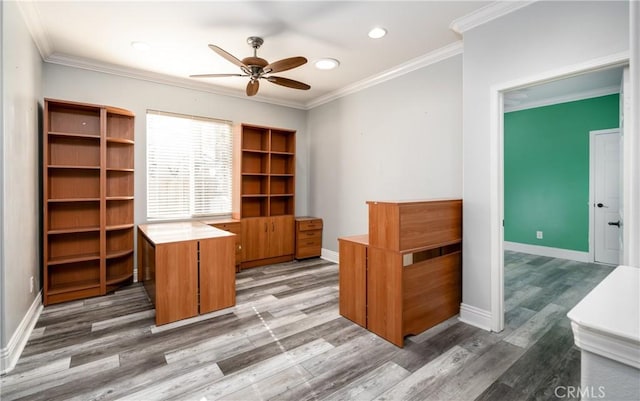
[[331, 256], [9, 355], [475, 316], [548, 251]]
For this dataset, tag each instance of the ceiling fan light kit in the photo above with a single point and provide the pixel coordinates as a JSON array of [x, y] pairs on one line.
[[257, 68]]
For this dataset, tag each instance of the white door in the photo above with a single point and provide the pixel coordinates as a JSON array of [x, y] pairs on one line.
[[625, 106], [605, 151]]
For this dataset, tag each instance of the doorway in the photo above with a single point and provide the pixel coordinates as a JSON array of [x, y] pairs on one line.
[[604, 227], [497, 105]]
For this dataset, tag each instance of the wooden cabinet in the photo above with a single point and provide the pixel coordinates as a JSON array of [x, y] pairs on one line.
[[264, 193], [187, 268], [267, 240], [232, 226], [88, 192], [411, 263], [308, 237]]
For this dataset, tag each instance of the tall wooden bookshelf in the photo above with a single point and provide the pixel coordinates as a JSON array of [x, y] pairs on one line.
[[88, 194], [264, 193]]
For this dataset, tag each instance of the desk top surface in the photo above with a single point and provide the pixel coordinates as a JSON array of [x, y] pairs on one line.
[[612, 307], [362, 239], [164, 233]]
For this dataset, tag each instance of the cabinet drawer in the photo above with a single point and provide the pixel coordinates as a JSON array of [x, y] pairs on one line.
[[311, 234], [308, 251], [309, 242], [315, 224]]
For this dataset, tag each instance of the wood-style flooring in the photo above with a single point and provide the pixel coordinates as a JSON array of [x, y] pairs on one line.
[[285, 340]]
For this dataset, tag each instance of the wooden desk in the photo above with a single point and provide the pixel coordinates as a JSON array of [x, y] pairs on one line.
[[405, 276], [353, 278], [187, 268]]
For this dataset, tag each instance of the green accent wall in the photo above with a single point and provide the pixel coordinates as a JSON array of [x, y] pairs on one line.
[[546, 171]]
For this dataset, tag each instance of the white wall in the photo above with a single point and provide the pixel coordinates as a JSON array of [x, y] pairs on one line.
[[398, 140], [19, 201], [544, 36], [136, 95]]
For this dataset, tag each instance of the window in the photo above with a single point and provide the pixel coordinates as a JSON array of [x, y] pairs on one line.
[[188, 166]]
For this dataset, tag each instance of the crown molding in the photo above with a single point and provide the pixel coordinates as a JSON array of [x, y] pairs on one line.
[[36, 27], [96, 66], [433, 57], [572, 97], [487, 13]]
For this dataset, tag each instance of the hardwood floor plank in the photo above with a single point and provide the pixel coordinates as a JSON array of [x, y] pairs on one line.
[[174, 387], [214, 349], [71, 347], [298, 326], [37, 387], [238, 380], [477, 375], [430, 376], [120, 320], [271, 386], [517, 297], [566, 374], [340, 366], [45, 369], [369, 386], [535, 327], [517, 316], [529, 371], [499, 391], [433, 331]]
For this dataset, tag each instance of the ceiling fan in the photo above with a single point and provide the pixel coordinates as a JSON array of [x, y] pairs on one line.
[[257, 68]]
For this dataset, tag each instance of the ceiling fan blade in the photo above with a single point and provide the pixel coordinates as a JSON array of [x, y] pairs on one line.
[[285, 64], [289, 83], [216, 75], [252, 87], [228, 56]]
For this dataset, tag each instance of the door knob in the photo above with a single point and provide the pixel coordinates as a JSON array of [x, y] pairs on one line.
[[600, 205], [614, 223]]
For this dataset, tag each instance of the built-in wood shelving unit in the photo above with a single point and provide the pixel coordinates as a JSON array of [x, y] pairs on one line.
[[88, 195]]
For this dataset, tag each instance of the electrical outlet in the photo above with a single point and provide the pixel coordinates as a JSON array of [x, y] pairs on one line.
[[31, 285], [539, 234]]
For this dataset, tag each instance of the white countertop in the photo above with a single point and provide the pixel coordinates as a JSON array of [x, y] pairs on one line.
[[164, 233], [607, 321]]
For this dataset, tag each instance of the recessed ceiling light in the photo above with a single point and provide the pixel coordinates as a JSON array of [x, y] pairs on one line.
[[141, 46], [326, 64], [377, 33]]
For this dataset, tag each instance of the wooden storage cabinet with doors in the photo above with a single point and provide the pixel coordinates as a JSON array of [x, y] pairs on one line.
[[88, 167], [232, 226], [187, 268], [264, 193], [267, 239], [308, 237]]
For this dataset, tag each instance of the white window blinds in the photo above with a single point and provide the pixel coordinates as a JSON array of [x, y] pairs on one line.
[[188, 166]]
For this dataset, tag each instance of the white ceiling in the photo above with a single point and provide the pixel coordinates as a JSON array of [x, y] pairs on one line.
[[98, 34]]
